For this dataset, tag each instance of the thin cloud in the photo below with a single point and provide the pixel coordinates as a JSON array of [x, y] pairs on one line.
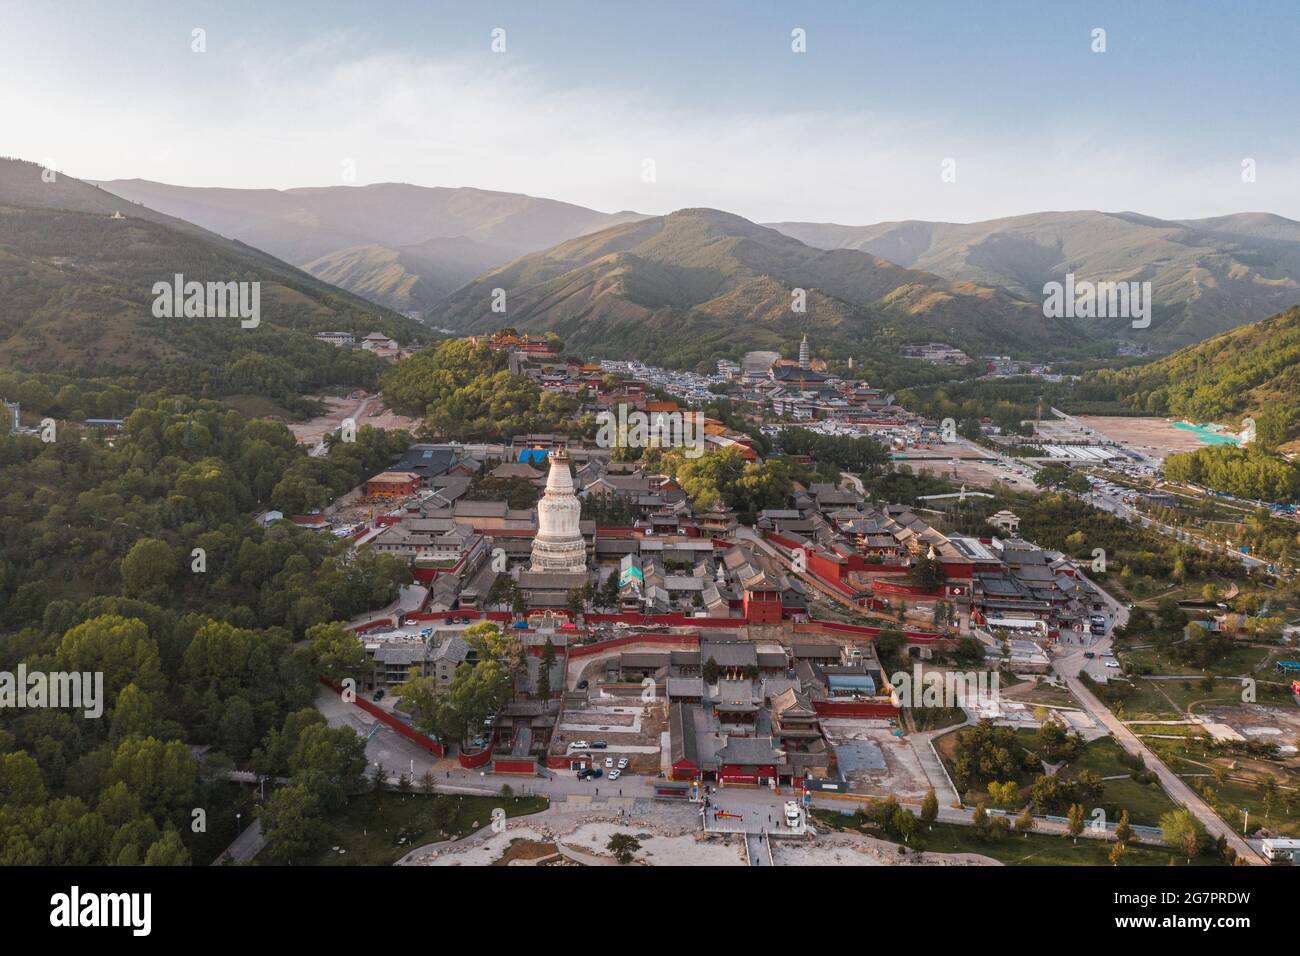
[[294, 116]]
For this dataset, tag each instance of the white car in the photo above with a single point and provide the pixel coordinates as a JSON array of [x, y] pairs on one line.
[[579, 745], [615, 774], [792, 816], [1112, 663], [609, 762], [622, 763]]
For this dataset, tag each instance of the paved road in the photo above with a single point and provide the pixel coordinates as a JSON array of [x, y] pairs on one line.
[[1116, 506], [933, 767], [1068, 664], [245, 846], [320, 448], [757, 851], [1173, 785]]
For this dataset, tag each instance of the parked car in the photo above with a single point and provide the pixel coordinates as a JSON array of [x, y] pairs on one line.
[[598, 745], [622, 763], [614, 775], [609, 762], [379, 694], [1112, 663], [595, 773], [792, 816], [579, 745]]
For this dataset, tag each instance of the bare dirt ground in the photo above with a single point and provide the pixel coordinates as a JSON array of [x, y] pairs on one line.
[[1155, 437], [374, 414], [902, 774], [1274, 725], [523, 852], [972, 474], [669, 836], [856, 849]]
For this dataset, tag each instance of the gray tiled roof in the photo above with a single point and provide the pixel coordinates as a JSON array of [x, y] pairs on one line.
[[749, 751]]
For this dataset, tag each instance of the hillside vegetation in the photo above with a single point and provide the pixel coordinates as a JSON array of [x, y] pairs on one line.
[[699, 284], [1251, 371], [1207, 275], [76, 298]]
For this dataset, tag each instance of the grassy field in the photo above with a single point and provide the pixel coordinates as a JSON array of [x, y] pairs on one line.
[[1242, 660], [1144, 802], [378, 829], [1167, 730], [1237, 786], [1036, 849], [1044, 693], [1136, 699], [935, 718]]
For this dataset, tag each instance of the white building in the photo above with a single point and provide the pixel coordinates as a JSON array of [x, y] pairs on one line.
[[559, 547], [336, 338]]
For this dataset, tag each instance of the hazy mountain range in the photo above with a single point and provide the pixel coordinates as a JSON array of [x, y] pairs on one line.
[[1206, 275], [400, 245], [682, 288]]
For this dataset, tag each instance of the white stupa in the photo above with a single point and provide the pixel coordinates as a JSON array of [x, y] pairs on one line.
[[558, 546]]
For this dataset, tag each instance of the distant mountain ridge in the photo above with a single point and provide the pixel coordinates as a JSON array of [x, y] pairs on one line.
[[700, 282], [77, 270], [402, 245], [1207, 275]]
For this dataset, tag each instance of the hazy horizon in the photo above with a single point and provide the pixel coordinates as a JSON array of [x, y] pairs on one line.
[[858, 129]]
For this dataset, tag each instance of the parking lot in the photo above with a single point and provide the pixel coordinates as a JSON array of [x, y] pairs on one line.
[[627, 726]]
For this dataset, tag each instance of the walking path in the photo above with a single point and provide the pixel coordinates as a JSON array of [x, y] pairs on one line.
[[245, 846], [1173, 785]]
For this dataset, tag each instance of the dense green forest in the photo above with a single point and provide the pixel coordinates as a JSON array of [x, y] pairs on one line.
[[141, 560], [864, 456], [465, 392], [725, 479], [1248, 472]]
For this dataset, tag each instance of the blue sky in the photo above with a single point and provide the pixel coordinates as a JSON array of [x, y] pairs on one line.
[[587, 95]]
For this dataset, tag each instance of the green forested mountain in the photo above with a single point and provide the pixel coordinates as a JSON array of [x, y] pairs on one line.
[[1207, 275], [99, 573], [700, 284], [1251, 371], [76, 297]]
